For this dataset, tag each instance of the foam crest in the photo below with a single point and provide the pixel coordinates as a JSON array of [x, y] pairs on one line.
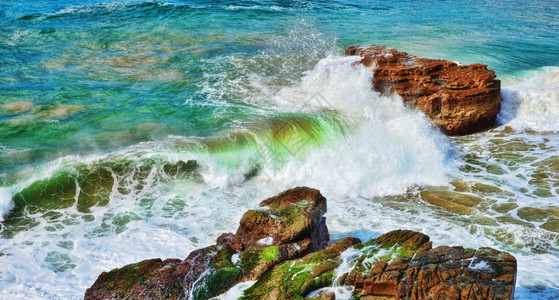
[[387, 147], [6, 203], [236, 291], [335, 83], [532, 103]]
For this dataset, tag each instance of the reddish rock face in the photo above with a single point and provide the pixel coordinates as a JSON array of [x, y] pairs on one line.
[[410, 269], [459, 99]]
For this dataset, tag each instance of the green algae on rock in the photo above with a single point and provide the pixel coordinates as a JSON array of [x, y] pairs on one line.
[[284, 227], [282, 247], [294, 279]]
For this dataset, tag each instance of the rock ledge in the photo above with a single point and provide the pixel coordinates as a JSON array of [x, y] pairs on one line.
[[459, 99]]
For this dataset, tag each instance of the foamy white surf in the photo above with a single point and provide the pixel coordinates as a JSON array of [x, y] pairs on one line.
[[236, 291], [6, 203], [532, 103], [386, 149]]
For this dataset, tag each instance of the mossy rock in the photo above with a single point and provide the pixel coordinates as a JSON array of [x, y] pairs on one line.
[[551, 224], [296, 278], [216, 282], [408, 240], [290, 217], [504, 207], [256, 260], [533, 214], [134, 281], [220, 275]]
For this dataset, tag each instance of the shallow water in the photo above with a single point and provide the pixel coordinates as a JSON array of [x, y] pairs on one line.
[[133, 130]]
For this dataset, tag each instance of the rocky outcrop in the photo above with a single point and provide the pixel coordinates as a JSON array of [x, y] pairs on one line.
[[284, 227], [293, 217], [459, 99], [283, 246], [402, 265]]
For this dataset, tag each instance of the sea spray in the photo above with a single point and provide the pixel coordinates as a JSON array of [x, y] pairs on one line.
[[532, 103], [387, 147]]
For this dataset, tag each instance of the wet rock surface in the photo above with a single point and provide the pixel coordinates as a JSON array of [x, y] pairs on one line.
[[460, 99], [402, 265], [295, 279], [283, 246], [283, 227]]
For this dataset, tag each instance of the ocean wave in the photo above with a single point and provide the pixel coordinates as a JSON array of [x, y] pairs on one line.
[[532, 103]]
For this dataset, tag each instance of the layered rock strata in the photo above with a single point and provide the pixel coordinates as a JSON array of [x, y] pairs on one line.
[[460, 99]]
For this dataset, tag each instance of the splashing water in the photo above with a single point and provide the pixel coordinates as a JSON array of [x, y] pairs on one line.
[[133, 130]]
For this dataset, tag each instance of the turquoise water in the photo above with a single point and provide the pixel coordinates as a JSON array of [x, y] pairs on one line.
[[154, 125]]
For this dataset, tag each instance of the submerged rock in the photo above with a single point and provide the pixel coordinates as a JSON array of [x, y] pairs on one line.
[[459, 203], [459, 99], [282, 247], [18, 106]]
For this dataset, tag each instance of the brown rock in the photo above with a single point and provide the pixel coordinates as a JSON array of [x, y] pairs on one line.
[[402, 265], [289, 217], [286, 226], [459, 203], [281, 245], [459, 99]]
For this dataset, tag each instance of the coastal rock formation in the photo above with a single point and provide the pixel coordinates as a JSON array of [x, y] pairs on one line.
[[401, 264], [283, 227], [283, 246], [292, 217], [459, 99]]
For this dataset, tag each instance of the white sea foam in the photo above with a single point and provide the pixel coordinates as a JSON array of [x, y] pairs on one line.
[[6, 203], [266, 241], [387, 149], [17, 36], [80, 9], [341, 292], [480, 266], [236, 291], [36, 260], [532, 103]]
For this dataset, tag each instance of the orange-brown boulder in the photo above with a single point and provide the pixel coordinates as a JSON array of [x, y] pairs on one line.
[[460, 99], [403, 265]]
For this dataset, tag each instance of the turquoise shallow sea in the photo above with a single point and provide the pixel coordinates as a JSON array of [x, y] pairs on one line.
[[139, 129]]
